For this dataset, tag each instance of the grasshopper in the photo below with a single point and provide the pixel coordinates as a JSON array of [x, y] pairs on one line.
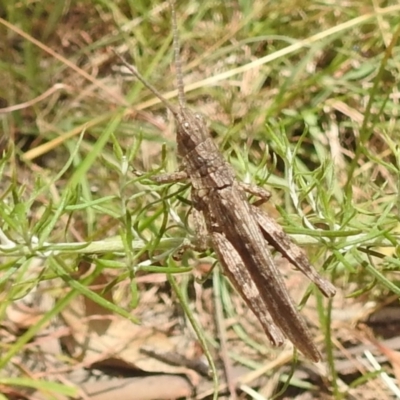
[[238, 232]]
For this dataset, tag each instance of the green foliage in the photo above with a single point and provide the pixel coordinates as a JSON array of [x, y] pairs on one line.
[[315, 120]]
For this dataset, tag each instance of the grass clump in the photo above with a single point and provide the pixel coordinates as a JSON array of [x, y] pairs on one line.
[[301, 98]]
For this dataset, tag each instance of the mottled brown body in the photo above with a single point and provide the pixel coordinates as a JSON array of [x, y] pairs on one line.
[[238, 231], [238, 234]]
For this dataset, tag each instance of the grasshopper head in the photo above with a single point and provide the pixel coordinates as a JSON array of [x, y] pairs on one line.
[[191, 131]]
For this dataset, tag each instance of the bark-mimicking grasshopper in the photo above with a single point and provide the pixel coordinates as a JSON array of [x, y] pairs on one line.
[[238, 231]]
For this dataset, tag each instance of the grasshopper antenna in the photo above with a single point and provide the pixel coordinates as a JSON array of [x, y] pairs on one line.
[[149, 86], [177, 57], [178, 67]]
